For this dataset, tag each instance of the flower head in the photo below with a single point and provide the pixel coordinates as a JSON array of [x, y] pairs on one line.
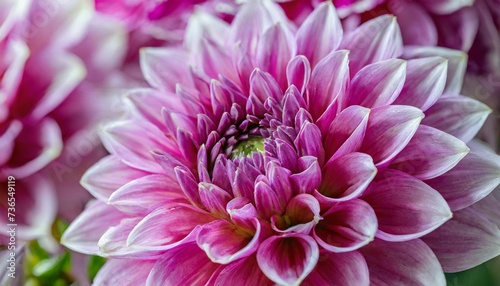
[[271, 153]]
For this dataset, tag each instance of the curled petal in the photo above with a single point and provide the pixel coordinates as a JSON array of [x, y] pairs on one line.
[[298, 73], [245, 270], [406, 207], [288, 259], [308, 180], [346, 226], [407, 263], [301, 215]]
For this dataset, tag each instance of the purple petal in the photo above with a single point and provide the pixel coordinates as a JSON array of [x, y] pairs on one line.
[[188, 185], [346, 226], [425, 81], [339, 269], [441, 7], [403, 263], [322, 27], [298, 73], [346, 177], [214, 199], [406, 208], [167, 227], [309, 178], [377, 84], [177, 265], [138, 196], [472, 179], [376, 40], [389, 130], [308, 142], [430, 153], [245, 270], [301, 215], [86, 230], [288, 259], [459, 116], [117, 272], [160, 67], [465, 241], [329, 80], [425, 33]]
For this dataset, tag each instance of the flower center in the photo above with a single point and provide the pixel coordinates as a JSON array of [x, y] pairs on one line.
[[246, 147]]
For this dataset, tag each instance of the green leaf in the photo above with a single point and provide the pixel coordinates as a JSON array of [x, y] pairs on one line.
[[95, 264], [478, 275]]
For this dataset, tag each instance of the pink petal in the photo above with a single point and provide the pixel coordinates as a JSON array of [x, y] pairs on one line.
[[465, 241], [160, 67], [108, 175], [214, 199], [7, 139], [406, 263], [376, 40], [459, 116], [430, 153], [425, 81], [329, 80], [322, 27], [406, 208], [346, 226], [167, 227], [441, 7], [301, 215], [298, 73], [377, 84], [308, 178], [308, 142], [458, 30], [408, 13], [224, 242], [86, 230], [339, 269], [472, 179], [137, 197], [288, 259], [346, 177], [245, 272], [117, 272], [457, 63], [186, 264], [389, 130], [346, 132]]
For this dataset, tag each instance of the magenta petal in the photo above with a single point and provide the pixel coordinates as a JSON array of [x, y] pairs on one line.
[[308, 180], [346, 226], [465, 241], [186, 264], [107, 175], [268, 201], [425, 81], [459, 116], [86, 230], [403, 263], [346, 132], [322, 27], [214, 198], [346, 177], [457, 63], [339, 269], [425, 33], [430, 153], [288, 259], [167, 227], [308, 142], [441, 7], [245, 270], [224, 242], [301, 215], [329, 80], [376, 40], [138, 196], [167, 75], [7, 140], [389, 129], [117, 272], [377, 84], [188, 185], [298, 73], [472, 179], [406, 208]]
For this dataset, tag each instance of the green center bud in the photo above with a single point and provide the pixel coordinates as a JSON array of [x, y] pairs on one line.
[[247, 147]]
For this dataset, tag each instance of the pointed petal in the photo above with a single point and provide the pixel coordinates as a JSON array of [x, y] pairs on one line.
[[322, 27], [214, 199], [465, 241], [138, 196], [288, 259], [389, 130], [301, 215], [309, 179], [346, 226], [430, 153], [406, 263], [406, 208], [425, 33], [459, 116], [376, 40], [167, 227], [298, 73], [308, 142], [377, 84], [472, 179], [163, 68], [177, 265], [86, 230], [425, 81], [339, 269]]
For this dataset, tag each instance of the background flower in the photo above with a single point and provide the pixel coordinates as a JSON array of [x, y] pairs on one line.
[[291, 154]]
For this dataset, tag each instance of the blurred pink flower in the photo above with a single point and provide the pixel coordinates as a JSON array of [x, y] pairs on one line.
[[270, 153]]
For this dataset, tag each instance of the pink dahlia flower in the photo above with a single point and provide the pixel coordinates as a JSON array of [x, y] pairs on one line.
[[269, 153]]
